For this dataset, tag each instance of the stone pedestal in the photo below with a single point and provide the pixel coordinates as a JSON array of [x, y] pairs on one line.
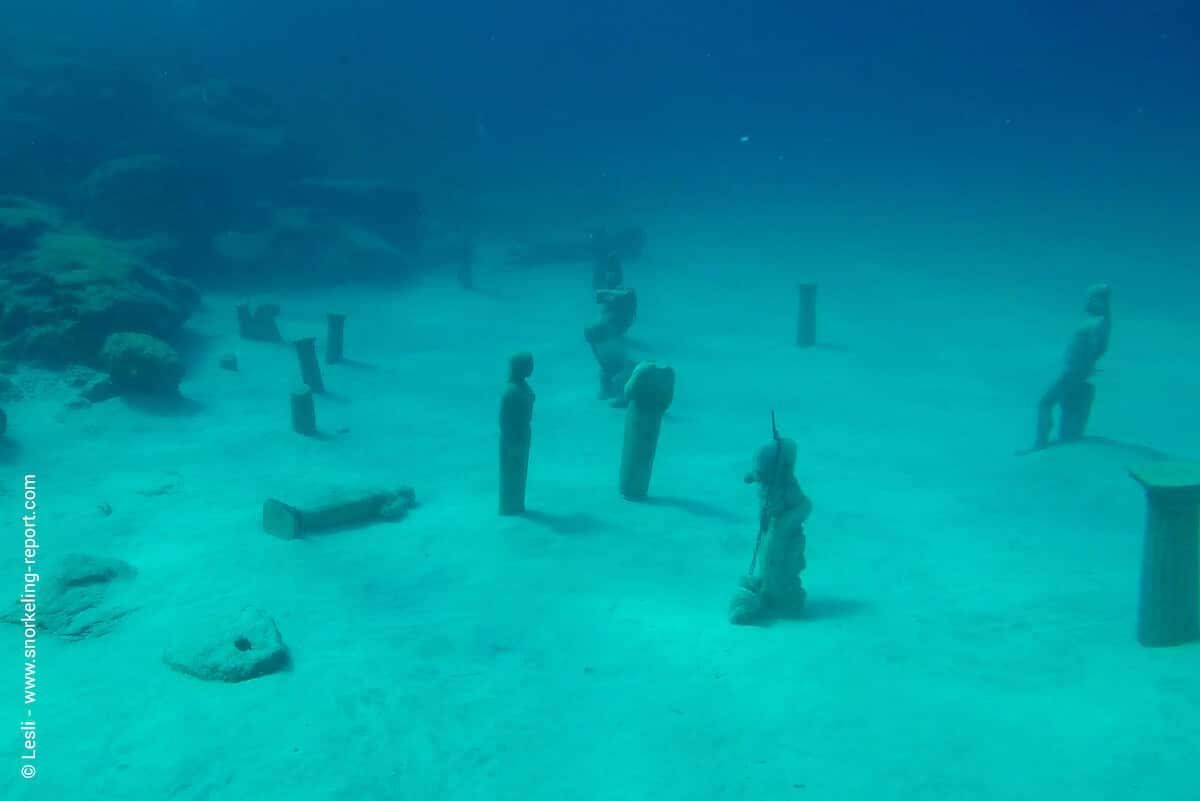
[[1169, 607], [334, 338], [806, 321], [310, 369], [304, 412]]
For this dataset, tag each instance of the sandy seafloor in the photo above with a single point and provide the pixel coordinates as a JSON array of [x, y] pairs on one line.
[[972, 614]]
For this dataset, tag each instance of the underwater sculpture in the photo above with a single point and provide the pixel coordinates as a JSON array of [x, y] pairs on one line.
[[258, 325], [339, 509], [772, 587], [806, 320], [516, 414], [618, 309], [615, 365], [310, 369], [607, 339], [1072, 391], [606, 271], [649, 393], [304, 412], [1169, 601], [334, 338]]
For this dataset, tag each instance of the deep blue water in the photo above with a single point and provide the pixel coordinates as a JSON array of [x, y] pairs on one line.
[[1085, 111]]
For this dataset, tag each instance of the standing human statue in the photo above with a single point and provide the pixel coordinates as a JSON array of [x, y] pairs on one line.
[[516, 414], [771, 587], [1073, 391]]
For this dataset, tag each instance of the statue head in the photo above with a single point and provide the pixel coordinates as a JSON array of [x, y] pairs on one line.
[[1098, 296], [773, 462], [520, 366]]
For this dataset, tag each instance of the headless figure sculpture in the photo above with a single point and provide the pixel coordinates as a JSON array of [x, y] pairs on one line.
[[516, 414], [772, 588], [1072, 391]]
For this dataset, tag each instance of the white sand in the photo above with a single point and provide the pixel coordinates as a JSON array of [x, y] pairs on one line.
[[972, 620]]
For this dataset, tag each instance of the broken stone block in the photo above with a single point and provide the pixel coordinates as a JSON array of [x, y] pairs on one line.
[[339, 509]]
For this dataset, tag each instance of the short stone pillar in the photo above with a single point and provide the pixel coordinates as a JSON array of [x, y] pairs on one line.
[[310, 369], [1169, 607], [335, 336], [806, 316]]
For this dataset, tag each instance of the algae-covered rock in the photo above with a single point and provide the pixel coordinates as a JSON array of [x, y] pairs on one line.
[[141, 363], [68, 289], [22, 221], [236, 646]]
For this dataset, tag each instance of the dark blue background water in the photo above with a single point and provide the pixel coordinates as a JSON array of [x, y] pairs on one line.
[[1081, 114]]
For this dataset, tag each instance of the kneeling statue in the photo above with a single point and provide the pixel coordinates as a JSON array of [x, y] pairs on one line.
[[771, 587]]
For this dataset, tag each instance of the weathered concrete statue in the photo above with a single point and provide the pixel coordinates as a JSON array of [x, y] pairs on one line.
[[618, 309], [1072, 391], [516, 414], [606, 271], [649, 393], [607, 338], [771, 587]]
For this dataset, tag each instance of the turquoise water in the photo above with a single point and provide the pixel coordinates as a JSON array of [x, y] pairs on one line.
[[218, 602]]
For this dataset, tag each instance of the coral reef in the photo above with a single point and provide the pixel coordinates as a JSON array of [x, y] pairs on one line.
[[65, 289], [141, 363]]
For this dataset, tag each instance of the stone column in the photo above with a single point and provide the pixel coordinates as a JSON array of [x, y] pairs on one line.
[[649, 392], [310, 369], [334, 338], [1169, 607], [806, 322]]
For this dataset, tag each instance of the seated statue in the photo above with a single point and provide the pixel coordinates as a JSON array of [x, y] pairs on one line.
[[1072, 390], [772, 588]]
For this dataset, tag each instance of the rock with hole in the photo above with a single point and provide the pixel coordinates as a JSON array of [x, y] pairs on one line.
[[235, 646]]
